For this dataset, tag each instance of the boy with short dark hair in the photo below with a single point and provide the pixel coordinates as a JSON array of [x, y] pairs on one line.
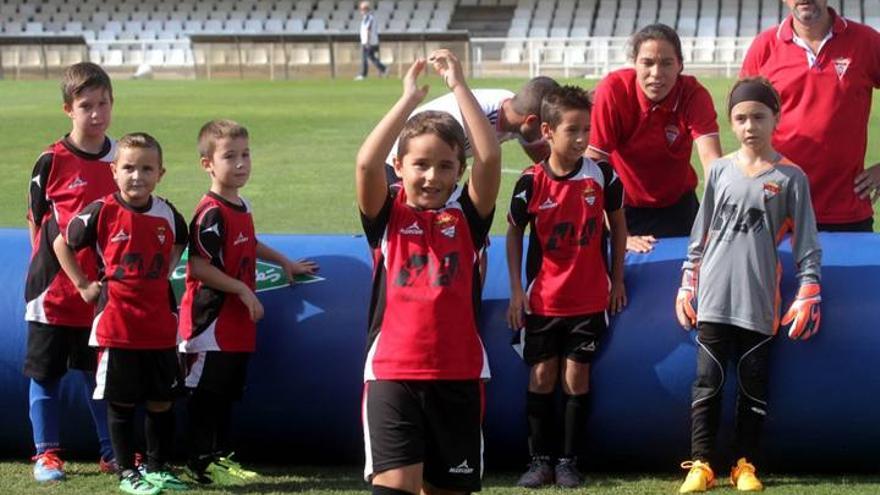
[[564, 201], [139, 238], [422, 405], [68, 175], [219, 310]]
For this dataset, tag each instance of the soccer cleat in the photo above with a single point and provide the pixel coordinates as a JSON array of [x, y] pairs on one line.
[[133, 483], [48, 466], [699, 478], [164, 479], [540, 473], [198, 476], [743, 477], [232, 468], [106, 466], [567, 475]]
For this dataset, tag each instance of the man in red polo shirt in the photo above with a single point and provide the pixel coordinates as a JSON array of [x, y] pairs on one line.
[[825, 68], [646, 121]]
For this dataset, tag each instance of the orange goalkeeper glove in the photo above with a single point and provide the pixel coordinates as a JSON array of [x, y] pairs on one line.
[[686, 300], [804, 314]]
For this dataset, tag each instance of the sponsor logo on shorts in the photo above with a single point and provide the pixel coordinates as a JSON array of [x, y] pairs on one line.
[[462, 468], [413, 229]]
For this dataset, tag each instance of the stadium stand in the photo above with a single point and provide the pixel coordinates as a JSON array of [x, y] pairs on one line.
[[544, 33]]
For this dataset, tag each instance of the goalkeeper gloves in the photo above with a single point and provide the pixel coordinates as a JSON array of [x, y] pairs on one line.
[[686, 300], [804, 314]]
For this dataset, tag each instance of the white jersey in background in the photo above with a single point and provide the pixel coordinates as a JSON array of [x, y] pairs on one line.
[[490, 101]]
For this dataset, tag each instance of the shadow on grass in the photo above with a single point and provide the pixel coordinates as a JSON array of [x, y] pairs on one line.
[[280, 479]]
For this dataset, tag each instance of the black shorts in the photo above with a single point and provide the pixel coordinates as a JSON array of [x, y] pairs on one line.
[[131, 376], [435, 422], [573, 337], [53, 349], [674, 220], [866, 225], [218, 372]]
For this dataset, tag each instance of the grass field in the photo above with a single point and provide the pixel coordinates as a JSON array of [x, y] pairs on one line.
[[85, 480], [304, 137]]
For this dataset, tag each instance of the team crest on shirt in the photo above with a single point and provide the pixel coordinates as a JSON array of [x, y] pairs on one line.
[[590, 194], [672, 133], [78, 182], [446, 223], [841, 64], [160, 234], [120, 236], [771, 189]]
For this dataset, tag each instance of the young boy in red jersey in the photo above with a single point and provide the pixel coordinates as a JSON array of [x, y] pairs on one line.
[[139, 238], [564, 201], [68, 175], [422, 405], [219, 310]]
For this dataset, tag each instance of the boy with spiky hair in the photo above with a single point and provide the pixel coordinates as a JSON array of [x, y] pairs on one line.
[[564, 201], [139, 238], [68, 175], [219, 310]]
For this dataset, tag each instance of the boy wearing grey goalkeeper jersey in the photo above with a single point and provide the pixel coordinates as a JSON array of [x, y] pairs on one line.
[[730, 281]]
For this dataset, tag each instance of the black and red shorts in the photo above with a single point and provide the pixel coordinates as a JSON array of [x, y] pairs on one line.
[[131, 376]]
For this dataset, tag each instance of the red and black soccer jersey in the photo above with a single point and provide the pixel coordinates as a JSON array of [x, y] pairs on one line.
[[136, 309], [64, 181], [222, 232], [650, 143], [565, 265], [426, 291], [826, 106]]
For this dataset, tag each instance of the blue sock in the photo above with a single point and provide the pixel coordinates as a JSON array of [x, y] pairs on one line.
[[98, 408], [45, 414]]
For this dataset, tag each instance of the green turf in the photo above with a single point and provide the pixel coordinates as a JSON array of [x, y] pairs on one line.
[[85, 479], [305, 135]]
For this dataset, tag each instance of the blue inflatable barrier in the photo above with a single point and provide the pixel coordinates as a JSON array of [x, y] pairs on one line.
[[305, 386]]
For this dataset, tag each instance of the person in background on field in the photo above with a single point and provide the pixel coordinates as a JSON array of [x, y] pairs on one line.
[[68, 175], [730, 281], [564, 201], [139, 238], [369, 34], [512, 115], [219, 309], [826, 68], [423, 377], [646, 120]]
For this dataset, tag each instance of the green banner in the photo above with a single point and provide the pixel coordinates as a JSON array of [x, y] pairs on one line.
[[269, 277]]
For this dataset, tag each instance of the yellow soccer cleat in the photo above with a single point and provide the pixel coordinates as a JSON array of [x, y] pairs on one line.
[[699, 478], [743, 477]]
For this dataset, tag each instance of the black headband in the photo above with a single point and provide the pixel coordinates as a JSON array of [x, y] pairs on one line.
[[753, 91]]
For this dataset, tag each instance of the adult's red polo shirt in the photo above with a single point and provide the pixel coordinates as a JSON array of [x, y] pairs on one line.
[[650, 143], [826, 103]]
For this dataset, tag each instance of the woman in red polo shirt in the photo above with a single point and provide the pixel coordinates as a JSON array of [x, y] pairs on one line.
[[646, 120]]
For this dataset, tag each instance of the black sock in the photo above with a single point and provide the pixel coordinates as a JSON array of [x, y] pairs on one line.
[[539, 410], [576, 411], [223, 415], [159, 430], [120, 422], [384, 490], [201, 429]]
